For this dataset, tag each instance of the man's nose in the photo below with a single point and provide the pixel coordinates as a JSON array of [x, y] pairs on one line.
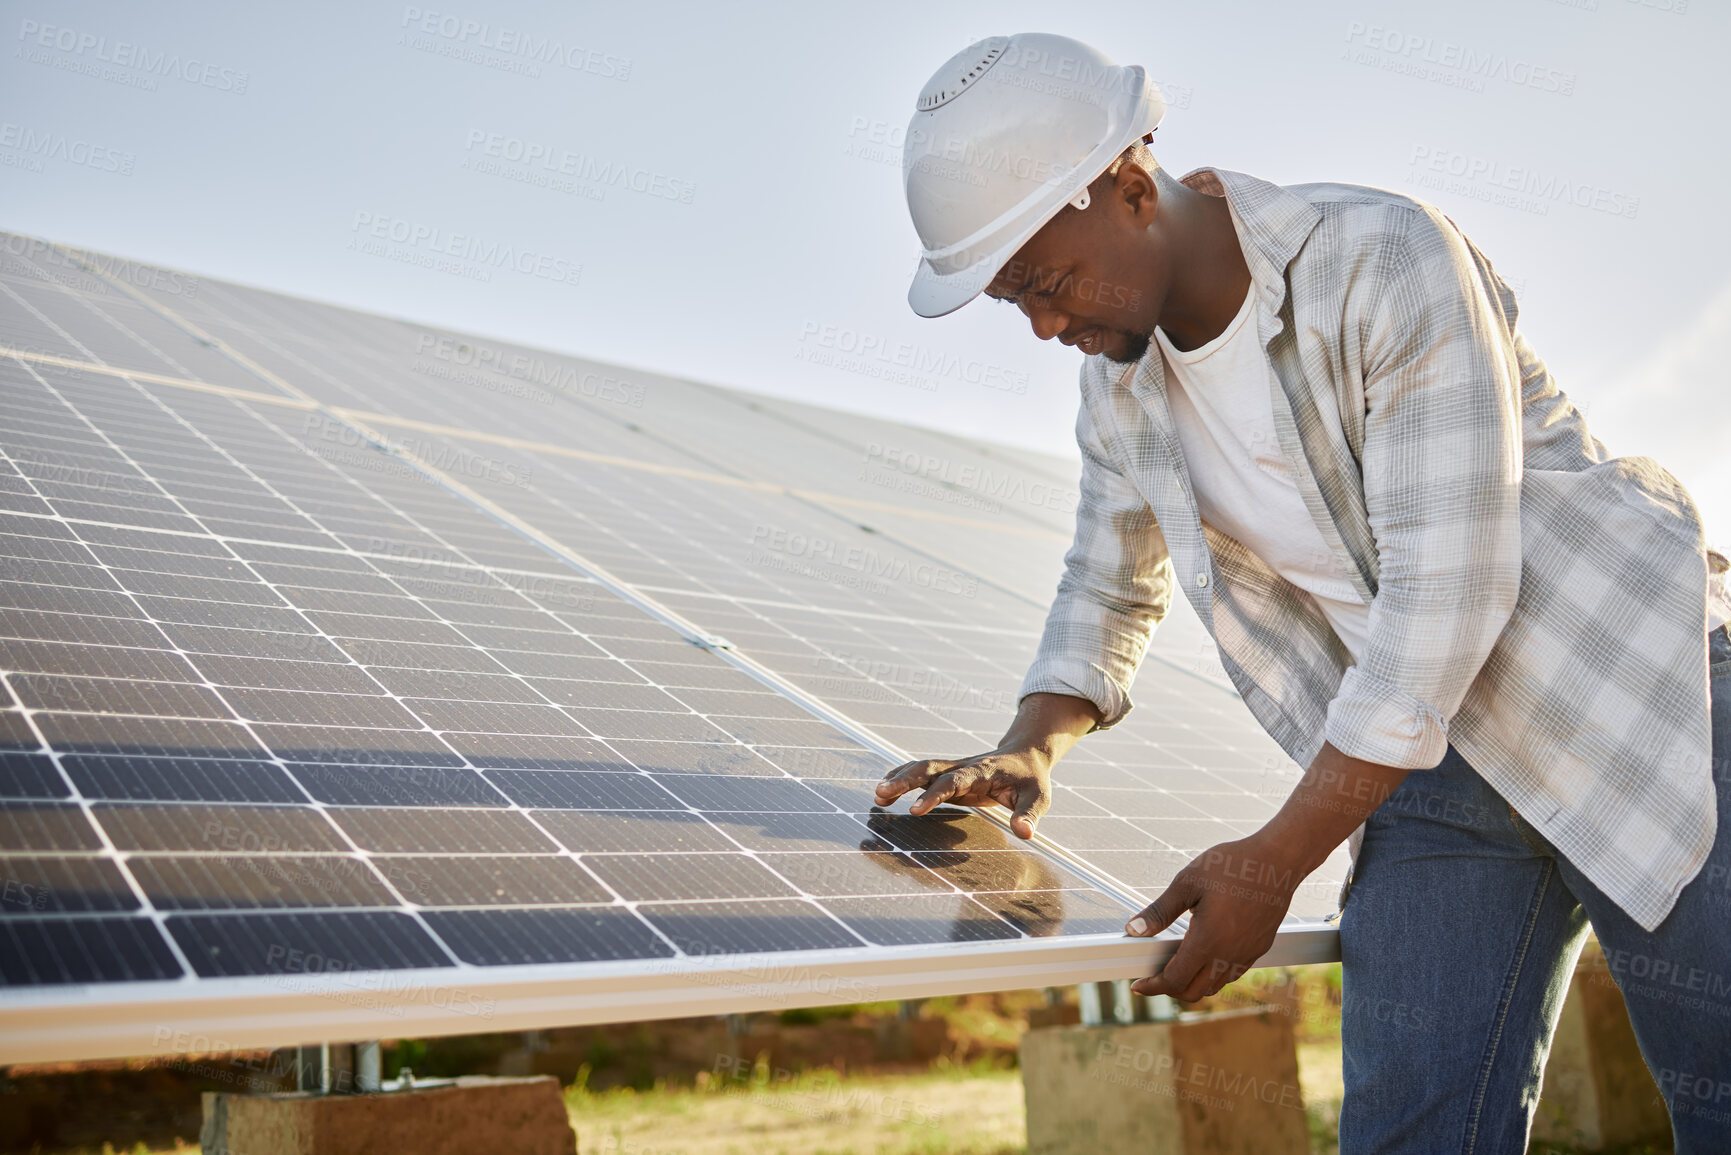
[[1047, 323]]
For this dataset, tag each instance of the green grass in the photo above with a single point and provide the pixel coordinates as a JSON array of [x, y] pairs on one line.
[[968, 1111]]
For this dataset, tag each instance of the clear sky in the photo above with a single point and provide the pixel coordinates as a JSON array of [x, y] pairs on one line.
[[758, 226]]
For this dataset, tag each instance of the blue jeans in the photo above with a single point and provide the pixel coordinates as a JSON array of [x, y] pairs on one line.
[[1459, 938]]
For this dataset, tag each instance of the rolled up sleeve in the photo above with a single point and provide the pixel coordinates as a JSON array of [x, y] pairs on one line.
[[1117, 585], [1442, 485]]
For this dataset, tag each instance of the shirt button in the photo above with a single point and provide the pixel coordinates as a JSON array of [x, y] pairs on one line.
[[1201, 581]]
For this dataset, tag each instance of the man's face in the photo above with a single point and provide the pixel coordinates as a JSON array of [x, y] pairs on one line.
[[1094, 278]]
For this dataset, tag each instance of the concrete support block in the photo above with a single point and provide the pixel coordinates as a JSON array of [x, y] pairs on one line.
[[1222, 1084], [1598, 1094], [497, 1116]]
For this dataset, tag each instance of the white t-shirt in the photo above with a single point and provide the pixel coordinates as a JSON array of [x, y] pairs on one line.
[[1223, 411]]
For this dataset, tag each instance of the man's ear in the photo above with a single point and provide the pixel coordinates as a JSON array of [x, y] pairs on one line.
[[1137, 190]]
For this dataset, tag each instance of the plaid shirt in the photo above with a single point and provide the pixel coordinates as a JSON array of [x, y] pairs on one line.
[[1533, 600]]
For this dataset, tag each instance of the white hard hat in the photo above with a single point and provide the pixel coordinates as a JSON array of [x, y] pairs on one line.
[[1005, 135]]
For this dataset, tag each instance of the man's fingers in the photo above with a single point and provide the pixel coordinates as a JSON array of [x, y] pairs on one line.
[[1188, 963], [1032, 802], [1163, 911], [945, 786], [907, 776]]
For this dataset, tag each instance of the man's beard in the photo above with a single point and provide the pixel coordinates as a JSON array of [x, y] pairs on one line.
[[1137, 349]]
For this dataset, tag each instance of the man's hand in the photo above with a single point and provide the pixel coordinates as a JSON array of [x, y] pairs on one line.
[[1239, 892], [1018, 779], [1018, 774]]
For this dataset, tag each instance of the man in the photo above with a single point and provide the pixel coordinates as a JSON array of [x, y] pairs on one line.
[[1499, 651]]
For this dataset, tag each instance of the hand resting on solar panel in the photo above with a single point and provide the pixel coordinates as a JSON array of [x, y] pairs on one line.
[[1017, 774], [1239, 891]]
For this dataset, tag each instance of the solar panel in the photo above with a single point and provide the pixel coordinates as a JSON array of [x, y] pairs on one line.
[[346, 700]]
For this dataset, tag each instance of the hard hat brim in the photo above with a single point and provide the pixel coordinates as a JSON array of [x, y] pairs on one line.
[[934, 295]]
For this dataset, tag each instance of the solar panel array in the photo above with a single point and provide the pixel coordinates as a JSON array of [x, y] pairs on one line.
[[273, 690]]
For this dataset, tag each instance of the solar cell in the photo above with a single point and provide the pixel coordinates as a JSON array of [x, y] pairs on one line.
[[283, 705]]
